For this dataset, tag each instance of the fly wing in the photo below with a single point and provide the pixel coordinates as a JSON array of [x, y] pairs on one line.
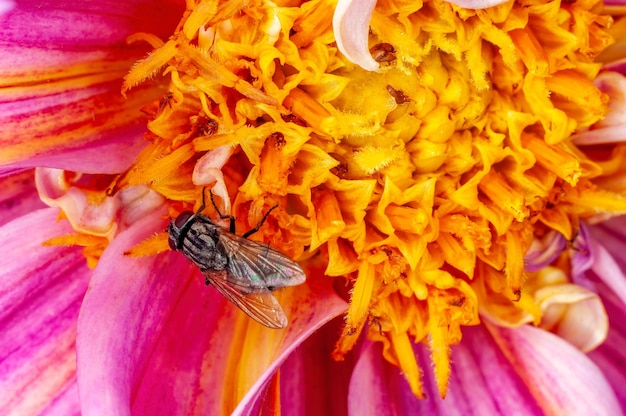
[[260, 305], [258, 266]]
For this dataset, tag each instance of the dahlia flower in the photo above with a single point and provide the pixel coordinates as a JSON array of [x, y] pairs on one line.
[[449, 176]]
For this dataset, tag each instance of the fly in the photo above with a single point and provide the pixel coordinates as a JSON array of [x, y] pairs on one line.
[[244, 271]]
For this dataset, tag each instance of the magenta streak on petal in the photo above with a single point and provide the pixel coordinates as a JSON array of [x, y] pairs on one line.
[[615, 2], [64, 82], [40, 297], [321, 306], [66, 404], [483, 376], [18, 197], [120, 148], [94, 25], [312, 383], [477, 4], [351, 27], [92, 129], [561, 378], [186, 369], [617, 66], [611, 356], [482, 383]]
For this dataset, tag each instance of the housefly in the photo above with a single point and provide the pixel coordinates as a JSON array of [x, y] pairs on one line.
[[244, 271]]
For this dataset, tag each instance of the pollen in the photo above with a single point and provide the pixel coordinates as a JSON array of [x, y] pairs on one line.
[[423, 183]]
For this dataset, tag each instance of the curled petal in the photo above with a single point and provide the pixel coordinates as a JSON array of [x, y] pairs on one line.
[[543, 252], [573, 313], [209, 169], [85, 217], [138, 202], [42, 289], [95, 218], [561, 378], [351, 26], [612, 129]]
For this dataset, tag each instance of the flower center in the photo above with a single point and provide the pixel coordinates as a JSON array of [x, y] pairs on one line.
[[423, 184]]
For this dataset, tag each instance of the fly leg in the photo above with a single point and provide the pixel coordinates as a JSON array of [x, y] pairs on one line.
[[231, 219], [260, 224]]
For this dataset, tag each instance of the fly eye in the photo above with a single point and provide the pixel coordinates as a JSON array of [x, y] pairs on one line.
[[178, 229], [182, 219], [172, 243]]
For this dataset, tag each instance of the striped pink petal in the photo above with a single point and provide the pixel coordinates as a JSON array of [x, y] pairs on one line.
[[40, 296], [562, 379], [610, 357], [60, 72], [18, 197], [599, 255], [483, 382]]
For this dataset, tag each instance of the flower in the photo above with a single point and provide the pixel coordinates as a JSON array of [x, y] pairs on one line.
[[442, 185]]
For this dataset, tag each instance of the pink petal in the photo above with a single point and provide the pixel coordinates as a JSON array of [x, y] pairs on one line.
[[612, 129], [70, 129], [478, 4], [483, 383], [19, 196], [351, 26], [123, 313], [37, 37], [63, 107], [42, 289], [543, 252], [561, 378], [6, 6], [611, 356], [311, 382], [607, 243], [153, 339], [315, 309]]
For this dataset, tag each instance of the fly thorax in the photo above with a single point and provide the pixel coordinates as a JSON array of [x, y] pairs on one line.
[[202, 247]]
